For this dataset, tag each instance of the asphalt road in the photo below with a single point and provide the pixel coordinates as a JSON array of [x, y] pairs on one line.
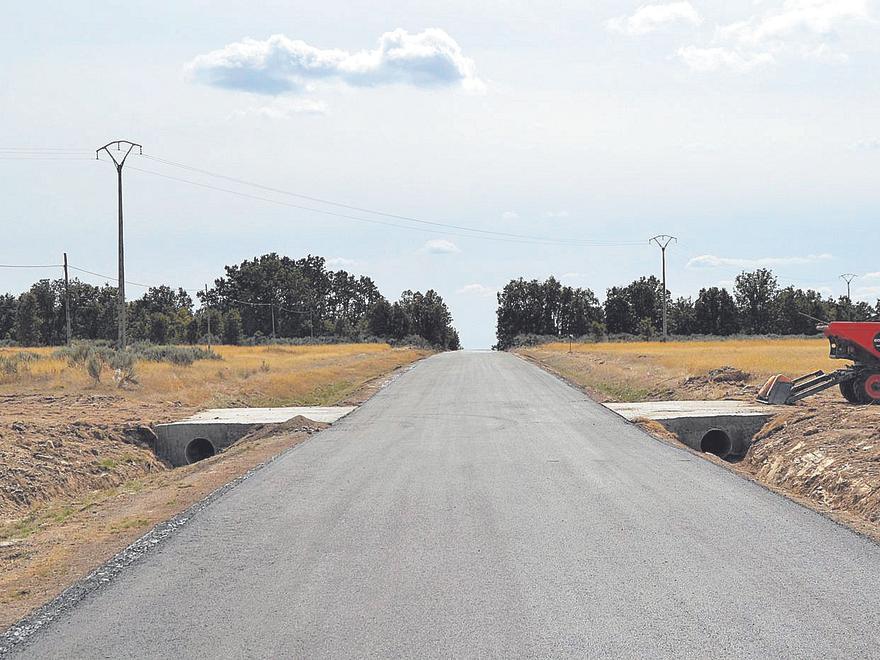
[[480, 507]]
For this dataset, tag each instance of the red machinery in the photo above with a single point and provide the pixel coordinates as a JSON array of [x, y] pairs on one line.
[[859, 383]]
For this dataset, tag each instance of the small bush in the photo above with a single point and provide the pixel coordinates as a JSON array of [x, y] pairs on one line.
[[94, 365], [179, 355], [17, 363]]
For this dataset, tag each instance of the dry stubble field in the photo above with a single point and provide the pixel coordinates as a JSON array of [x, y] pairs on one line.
[[822, 452], [78, 480]]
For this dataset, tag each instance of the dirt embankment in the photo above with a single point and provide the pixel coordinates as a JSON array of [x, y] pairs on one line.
[[822, 452], [55, 446]]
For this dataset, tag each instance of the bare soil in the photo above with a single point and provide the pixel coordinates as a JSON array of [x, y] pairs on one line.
[[62, 445]]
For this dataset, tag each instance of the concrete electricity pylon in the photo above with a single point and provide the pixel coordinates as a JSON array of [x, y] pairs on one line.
[[848, 278], [120, 284], [662, 241]]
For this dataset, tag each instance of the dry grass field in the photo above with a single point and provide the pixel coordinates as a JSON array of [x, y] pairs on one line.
[[245, 376], [635, 371]]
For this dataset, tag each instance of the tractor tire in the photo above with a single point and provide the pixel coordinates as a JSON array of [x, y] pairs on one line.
[[870, 391], [865, 389], [847, 389]]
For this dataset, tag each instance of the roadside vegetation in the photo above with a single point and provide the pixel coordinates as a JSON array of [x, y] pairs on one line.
[[636, 370], [264, 375], [531, 310], [267, 299]]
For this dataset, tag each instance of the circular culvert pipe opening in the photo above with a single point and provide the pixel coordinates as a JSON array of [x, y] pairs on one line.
[[198, 450], [716, 441]]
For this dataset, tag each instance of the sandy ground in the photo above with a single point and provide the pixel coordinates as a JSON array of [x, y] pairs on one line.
[[79, 482], [823, 452]]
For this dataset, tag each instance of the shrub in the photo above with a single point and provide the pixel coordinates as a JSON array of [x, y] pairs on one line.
[[179, 355], [94, 365]]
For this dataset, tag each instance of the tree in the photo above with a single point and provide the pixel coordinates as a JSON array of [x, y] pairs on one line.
[[715, 312], [755, 297], [232, 328], [378, 319], [8, 305], [544, 308], [682, 318], [619, 316], [797, 311], [27, 321]]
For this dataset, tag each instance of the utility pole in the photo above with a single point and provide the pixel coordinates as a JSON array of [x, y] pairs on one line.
[[848, 278], [120, 284], [208, 316], [662, 241], [67, 299], [272, 307]]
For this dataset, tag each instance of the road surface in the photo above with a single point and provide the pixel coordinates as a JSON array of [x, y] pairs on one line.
[[478, 506]]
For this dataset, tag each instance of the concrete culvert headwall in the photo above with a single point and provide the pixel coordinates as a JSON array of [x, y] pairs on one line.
[[198, 450], [716, 441]]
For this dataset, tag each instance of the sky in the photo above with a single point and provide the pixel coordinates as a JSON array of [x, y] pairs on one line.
[[573, 131]]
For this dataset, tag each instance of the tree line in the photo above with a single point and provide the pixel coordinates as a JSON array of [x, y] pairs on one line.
[[757, 306], [268, 297]]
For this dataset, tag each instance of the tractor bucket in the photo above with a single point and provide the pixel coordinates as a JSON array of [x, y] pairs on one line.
[[776, 390]]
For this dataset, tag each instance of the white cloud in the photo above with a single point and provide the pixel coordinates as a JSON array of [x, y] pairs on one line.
[[648, 18], [871, 276], [556, 214], [572, 276], [282, 108], [799, 29], [797, 18], [341, 262], [478, 290], [712, 261], [715, 58], [276, 65], [510, 215], [440, 246]]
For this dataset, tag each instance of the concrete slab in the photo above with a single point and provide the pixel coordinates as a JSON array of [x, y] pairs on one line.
[[325, 414], [211, 431], [725, 428], [659, 410]]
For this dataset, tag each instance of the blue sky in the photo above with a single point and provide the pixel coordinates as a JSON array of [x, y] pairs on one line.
[[748, 129]]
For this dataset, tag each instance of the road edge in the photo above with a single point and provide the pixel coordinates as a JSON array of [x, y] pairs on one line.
[[19, 633]]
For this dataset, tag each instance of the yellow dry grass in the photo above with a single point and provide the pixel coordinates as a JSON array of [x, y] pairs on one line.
[[636, 371], [757, 356], [247, 375]]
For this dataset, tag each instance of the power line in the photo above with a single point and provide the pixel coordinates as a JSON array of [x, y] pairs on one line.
[[31, 265], [547, 241], [43, 157], [360, 209]]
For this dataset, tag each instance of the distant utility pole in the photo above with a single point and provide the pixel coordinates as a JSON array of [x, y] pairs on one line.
[[67, 299], [272, 307], [120, 284], [662, 241], [848, 278]]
